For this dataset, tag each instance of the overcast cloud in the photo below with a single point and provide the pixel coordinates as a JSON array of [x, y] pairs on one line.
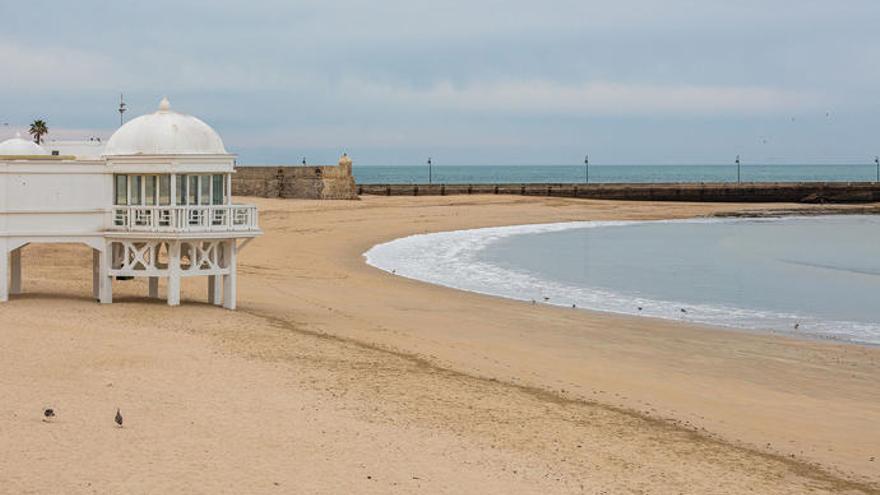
[[467, 82]]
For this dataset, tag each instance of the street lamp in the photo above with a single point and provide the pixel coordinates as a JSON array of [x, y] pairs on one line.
[[587, 168], [430, 172], [738, 175]]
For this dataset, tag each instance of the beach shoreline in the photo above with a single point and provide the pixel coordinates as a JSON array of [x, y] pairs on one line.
[[444, 376]]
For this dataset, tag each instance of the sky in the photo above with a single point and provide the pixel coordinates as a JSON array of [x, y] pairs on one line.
[[392, 82]]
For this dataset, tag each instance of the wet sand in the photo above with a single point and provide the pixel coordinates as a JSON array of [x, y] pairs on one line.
[[335, 377]]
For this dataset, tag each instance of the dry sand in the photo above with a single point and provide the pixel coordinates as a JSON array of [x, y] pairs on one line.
[[334, 377]]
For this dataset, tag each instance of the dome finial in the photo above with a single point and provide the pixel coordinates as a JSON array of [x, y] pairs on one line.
[[164, 105]]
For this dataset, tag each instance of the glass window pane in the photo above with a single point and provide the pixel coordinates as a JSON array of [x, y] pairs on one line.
[[181, 190], [205, 194], [217, 191], [193, 191], [136, 183], [121, 185], [150, 194], [164, 190]]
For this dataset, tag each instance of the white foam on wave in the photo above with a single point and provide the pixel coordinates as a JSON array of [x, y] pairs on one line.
[[451, 259]]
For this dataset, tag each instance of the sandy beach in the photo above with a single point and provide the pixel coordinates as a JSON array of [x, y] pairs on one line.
[[336, 377]]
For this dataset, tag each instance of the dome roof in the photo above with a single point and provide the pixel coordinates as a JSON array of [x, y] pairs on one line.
[[165, 132], [21, 147]]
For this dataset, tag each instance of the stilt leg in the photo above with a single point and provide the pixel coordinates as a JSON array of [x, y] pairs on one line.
[[154, 287], [174, 273], [229, 281], [215, 290], [96, 273], [15, 259], [4, 272], [105, 291]]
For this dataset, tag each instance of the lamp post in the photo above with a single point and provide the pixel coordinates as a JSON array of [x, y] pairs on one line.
[[738, 175], [122, 109], [430, 172], [586, 168]]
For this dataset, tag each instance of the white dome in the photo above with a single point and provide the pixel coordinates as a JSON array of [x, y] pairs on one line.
[[21, 147], [165, 132]]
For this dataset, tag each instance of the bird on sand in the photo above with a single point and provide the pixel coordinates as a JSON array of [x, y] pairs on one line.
[[118, 418], [48, 414]]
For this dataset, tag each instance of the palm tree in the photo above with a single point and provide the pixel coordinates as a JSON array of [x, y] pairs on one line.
[[38, 130]]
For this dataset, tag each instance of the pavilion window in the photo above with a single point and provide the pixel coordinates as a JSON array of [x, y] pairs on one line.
[[164, 190], [205, 190], [121, 189], [217, 192], [150, 190], [137, 184], [181, 190], [193, 190]]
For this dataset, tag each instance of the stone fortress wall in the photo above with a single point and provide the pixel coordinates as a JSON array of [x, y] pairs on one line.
[[299, 181]]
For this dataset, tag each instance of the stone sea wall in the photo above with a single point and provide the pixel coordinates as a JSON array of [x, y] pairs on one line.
[[303, 182], [788, 192]]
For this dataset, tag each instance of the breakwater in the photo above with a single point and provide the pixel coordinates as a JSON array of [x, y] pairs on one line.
[[751, 192]]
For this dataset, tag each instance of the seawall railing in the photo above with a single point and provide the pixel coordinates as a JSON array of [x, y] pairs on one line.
[[749, 192]]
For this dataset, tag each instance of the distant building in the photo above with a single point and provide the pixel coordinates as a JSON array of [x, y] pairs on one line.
[[153, 201]]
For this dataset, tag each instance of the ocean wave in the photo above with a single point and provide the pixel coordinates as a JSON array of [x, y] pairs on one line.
[[451, 259]]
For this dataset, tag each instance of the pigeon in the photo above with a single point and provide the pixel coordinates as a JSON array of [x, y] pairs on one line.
[[48, 414], [118, 418]]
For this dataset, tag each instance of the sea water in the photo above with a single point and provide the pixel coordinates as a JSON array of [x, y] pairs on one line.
[[483, 174], [810, 276]]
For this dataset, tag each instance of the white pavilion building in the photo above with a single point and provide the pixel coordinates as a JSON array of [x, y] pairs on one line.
[[156, 203]]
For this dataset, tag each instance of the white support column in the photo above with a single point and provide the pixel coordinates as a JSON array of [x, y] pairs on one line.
[[229, 189], [15, 261], [154, 287], [105, 289], [174, 273], [215, 290], [229, 281], [96, 273], [4, 272]]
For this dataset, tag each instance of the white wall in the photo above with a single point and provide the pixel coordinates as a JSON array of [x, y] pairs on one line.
[[54, 197]]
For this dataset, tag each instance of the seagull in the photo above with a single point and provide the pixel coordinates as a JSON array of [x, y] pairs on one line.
[[118, 418], [48, 414]]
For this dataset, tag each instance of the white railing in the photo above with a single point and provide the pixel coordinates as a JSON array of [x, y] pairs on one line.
[[214, 218]]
